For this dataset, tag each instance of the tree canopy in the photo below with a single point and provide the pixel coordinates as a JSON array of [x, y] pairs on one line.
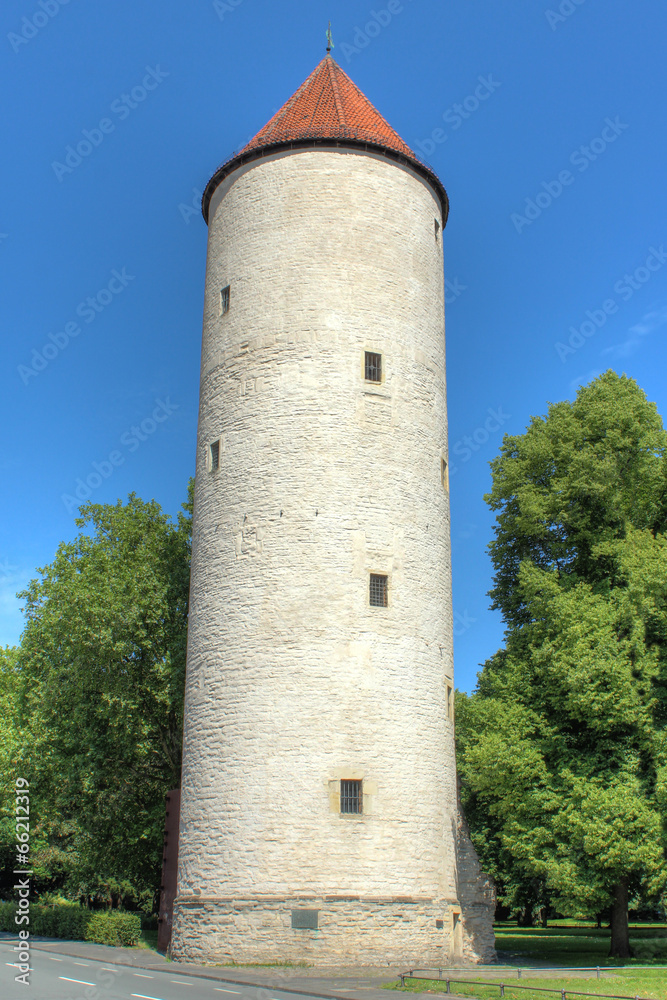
[[563, 747], [97, 685]]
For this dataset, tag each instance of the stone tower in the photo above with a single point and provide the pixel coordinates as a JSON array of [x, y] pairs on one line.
[[319, 816]]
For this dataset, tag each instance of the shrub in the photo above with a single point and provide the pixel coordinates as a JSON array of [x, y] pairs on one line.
[[7, 912], [71, 921], [115, 928], [65, 921]]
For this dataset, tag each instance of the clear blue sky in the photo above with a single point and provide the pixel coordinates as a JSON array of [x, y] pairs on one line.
[[577, 93]]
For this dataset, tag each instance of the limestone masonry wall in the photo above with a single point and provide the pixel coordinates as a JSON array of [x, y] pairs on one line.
[[294, 681]]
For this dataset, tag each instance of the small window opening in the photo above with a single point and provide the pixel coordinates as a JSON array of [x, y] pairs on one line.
[[373, 367], [224, 300], [215, 455], [450, 702], [437, 229], [444, 478], [350, 797], [378, 591]]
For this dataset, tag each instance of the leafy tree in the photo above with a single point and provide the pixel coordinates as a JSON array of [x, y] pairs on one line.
[[101, 670], [564, 745]]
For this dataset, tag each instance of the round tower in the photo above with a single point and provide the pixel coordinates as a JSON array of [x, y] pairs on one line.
[[319, 815]]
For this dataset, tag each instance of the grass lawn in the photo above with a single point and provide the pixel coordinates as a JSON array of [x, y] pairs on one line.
[[619, 982], [148, 939], [568, 944]]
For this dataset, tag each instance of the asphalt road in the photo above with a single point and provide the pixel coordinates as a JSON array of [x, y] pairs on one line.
[[63, 977]]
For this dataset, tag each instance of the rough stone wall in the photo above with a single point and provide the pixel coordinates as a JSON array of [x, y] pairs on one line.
[[477, 896], [294, 682], [351, 930]]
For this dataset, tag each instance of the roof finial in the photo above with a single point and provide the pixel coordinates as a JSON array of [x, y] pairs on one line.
[[330, 44]]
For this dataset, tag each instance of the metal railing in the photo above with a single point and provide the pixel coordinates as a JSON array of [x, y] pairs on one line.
[[448, 980]]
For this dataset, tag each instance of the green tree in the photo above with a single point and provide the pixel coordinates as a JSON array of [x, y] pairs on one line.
[[563, 746], [101, 670]]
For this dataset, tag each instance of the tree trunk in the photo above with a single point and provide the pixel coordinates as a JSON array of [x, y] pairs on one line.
[[620, 931]]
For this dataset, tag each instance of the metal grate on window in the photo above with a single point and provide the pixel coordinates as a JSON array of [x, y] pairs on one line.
[[373, 367], [350, 797], [224, 300], [378, 591], [215, 455]]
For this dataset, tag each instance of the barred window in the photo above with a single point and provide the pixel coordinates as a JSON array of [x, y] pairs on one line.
[[378, 591], [214, 452], [224, 300], [373, 367], [350, 797]]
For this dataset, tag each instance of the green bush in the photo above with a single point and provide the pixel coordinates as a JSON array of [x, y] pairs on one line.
[[7, 912], [116, 928], [71, 921], [65, 921]]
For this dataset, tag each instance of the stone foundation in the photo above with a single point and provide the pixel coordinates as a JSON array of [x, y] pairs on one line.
[[395, 930]]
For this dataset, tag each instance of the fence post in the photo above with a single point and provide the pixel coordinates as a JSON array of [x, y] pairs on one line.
[[448, 989], [439, 973], [562, 995], [518, 973], [502, 989], [402, 978], [598, 972]]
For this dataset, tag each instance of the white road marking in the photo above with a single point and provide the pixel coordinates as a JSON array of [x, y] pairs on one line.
[[142, 976], [82, 981], [81, 963], [54, 959], [144, 997], [219, 989]]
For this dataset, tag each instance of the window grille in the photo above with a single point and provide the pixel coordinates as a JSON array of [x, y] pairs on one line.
[[350, 797], [378, 591], [373, 367], [215, 456], [224, 300]]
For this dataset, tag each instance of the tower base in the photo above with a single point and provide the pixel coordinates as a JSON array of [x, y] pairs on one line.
[[322, 930]]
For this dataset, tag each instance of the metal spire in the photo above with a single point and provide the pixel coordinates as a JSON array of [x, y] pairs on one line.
[[330, 44]]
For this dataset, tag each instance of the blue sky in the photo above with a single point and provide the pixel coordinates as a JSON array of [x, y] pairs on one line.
[[545, 121]]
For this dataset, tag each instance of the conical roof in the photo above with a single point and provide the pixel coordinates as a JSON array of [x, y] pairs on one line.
[[327, 108], [329, 105]]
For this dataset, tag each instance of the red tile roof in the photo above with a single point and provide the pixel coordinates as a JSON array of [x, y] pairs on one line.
[[328, 106]]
